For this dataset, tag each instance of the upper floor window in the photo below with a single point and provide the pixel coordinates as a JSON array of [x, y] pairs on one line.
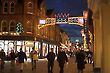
[[30, 8], [29, 26], [4, 26], [12, 26], [30, 5], [39, 3], [5, 7], [12, 9]]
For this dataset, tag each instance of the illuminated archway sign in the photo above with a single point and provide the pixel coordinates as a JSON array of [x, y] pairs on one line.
[[61, 20]]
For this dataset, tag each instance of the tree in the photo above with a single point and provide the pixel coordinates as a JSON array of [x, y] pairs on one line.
[[19, 28]]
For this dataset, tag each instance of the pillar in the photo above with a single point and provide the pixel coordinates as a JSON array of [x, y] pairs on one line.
[[97, 43], [105, 16]]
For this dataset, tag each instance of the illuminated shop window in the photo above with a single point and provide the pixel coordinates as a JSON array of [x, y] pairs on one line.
[[20, 44], [44, 49], [1, 45], [6, 42], [36, 45]]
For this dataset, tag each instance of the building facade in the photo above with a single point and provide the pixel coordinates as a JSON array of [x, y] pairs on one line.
[[65, 43], [101, 16], [19, 20]]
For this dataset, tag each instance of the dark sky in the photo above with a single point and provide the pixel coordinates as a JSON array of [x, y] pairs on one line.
[[74, 8]]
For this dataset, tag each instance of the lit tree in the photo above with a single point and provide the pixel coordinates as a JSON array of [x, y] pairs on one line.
[[19, 28]]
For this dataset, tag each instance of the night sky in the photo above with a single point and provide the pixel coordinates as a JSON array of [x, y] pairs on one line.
[[74, 8]]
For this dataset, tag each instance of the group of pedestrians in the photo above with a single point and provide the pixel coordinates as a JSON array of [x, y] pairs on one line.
[[62, 59], [18, 57]]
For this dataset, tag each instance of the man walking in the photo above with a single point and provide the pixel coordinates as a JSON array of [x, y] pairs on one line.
[[21, 56], [50, 58], [80, 59], [62, 58]]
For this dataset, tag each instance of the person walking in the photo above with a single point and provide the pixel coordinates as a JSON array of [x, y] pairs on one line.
[[62, 58], [21, 56], [50, 57], [80, 60], [12, 58], [34, 58], [2, 58]]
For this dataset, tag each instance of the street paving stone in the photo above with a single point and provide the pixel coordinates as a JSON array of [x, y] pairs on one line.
[[42, 67]]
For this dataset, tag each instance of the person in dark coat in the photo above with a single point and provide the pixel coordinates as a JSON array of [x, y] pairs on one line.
[[12, 58], [2, 57], [21, 56], [50, 57], [80, 59], [62, 58]]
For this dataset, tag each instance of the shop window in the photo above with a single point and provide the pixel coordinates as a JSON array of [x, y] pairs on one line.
[[4, 26], [12, 27], [5, 7], [1, 44], [12, 9], [44, 49]]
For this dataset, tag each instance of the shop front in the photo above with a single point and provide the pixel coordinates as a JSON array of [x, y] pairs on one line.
[[44, 47], [41, 47], [9, 45]]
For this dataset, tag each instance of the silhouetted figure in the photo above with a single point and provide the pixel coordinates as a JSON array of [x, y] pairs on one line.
[[12, 58], [2, 57], [80, 59], [61, 58], [21, 56], [50, 57]]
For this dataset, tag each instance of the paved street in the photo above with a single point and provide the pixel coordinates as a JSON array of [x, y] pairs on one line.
[[42, 67]]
